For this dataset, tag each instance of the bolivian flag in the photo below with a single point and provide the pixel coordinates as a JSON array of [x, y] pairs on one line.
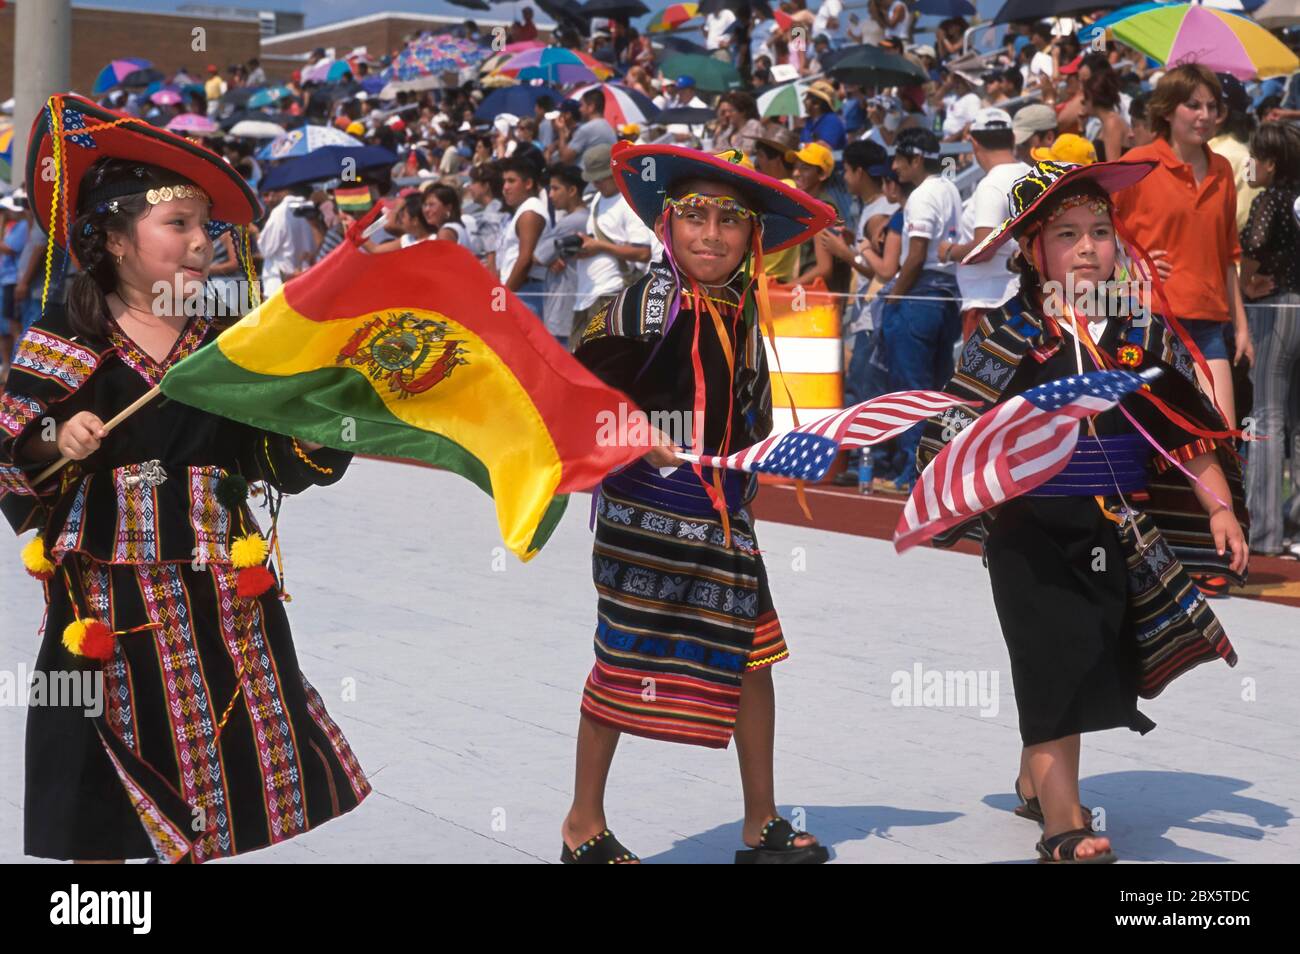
[[418, 354]]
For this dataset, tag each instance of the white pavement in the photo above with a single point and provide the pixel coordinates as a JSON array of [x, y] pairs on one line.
[[467, 667]]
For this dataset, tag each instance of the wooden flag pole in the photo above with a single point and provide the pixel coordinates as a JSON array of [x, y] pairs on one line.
[[135, 406]]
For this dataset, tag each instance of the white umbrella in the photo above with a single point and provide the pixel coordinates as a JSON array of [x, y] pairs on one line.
[[256, 129]]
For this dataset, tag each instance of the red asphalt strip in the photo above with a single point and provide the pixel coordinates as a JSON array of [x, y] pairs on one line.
[[844, 510]]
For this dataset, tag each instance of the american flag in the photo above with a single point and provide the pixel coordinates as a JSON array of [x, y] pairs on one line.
[[1007, 451], [806, 452]]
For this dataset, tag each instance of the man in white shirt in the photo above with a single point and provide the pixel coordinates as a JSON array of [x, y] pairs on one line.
[[521, 191], [921, 318], [830, 22], [618, 246], [287, 242], [1042, 70], [717, 29], [988, 284], [684, 95], [962, 102]]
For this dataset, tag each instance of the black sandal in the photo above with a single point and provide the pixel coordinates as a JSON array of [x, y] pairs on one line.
[[776, 847], [1031, 809], [602, 849], [1068, 841]]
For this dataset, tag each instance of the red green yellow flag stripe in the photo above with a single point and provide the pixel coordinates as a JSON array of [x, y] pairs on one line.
[[417, 354]]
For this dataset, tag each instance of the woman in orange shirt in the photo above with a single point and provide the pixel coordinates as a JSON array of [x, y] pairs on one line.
[[1185, 212]]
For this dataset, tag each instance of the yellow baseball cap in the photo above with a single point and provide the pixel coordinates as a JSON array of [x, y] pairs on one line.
[[815, 154], [1067, 147], [355, 129]]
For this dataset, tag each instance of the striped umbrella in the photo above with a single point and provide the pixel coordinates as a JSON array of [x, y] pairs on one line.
[[116, 71], [784, 100], [1175, 33], [673, 16], [623, 105], [557, 65]]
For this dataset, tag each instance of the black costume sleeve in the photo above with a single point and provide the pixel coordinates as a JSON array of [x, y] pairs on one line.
[[289, 468], [49, 369]]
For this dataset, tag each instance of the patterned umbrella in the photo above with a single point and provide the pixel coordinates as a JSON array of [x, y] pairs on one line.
[[556, 65], [1174, 33], [623, 105], [673, 16], [299, 142]]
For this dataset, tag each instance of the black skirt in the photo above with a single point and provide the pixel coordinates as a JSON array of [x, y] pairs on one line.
[[1060, 585]]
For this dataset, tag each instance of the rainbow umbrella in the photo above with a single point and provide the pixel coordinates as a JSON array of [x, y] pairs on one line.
[[673, 16], [1175, 33], [117, 71], [556, 65]]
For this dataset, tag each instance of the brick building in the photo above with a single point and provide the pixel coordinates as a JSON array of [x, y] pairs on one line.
[[168, 40]]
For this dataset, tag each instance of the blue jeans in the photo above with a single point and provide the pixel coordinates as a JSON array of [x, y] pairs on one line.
[[530, 293], [919, 340]]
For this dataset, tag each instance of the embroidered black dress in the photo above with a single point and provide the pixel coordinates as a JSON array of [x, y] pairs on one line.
[[139, 543], [1090, 620]]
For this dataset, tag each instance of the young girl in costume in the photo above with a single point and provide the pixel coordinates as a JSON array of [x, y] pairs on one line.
[[1090, 571], [686, 630], [209, 741]]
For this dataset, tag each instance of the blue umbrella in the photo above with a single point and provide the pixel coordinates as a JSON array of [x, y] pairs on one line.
[[516, 100], [326, 163]]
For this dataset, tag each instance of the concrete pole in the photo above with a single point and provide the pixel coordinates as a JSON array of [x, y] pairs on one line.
[[42, 67]]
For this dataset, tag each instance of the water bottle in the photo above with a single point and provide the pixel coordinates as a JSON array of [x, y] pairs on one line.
[[865, 472]]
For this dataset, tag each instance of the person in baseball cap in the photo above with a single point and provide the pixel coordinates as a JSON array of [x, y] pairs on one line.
[[1034, 125]]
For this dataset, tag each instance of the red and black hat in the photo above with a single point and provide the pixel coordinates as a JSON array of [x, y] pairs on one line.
[[71, 132]]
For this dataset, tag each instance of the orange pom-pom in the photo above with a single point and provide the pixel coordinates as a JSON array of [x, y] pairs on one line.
[[98, 642], [251, 582]]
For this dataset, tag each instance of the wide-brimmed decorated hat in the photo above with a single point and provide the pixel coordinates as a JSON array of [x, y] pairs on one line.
[[71, 132], [1029, 192], [646, 174]]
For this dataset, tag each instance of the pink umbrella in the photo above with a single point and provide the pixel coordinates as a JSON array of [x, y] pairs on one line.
[[522, 45], [167, 96], [193, 124]]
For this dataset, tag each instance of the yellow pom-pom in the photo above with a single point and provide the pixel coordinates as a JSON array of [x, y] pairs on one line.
[[74, 636], [37, 560], [250, 550]]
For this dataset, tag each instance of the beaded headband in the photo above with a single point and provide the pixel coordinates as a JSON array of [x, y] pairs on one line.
[[182, 191], [1095, 202], [723, 203]]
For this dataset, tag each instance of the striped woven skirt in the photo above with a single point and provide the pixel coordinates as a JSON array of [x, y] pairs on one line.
[[681, 617]]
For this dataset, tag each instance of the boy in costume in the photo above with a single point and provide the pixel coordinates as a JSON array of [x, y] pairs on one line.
[[686, 630]]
